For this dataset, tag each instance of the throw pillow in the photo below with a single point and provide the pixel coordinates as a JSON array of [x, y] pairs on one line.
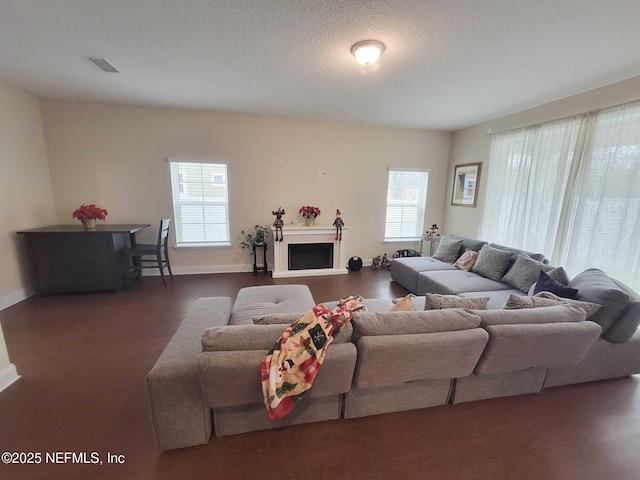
[[404, 305], [466, 260], [448, 250], [516, 301], [589, 307], [515, 251], [546, 299], [492, 263], [434, 301], [558, 274], [524, 272], [278, 318], [547, 284]]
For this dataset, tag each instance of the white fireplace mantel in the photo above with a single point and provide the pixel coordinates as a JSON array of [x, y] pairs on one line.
[[301, 234]]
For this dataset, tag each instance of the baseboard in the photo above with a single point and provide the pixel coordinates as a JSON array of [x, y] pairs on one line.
[[236, 268], [8, 375], [15, 297], [22, 294], [202, 269]]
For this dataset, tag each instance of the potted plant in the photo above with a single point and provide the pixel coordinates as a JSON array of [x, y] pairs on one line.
[[258, 236], [309, 213], [88, 214]]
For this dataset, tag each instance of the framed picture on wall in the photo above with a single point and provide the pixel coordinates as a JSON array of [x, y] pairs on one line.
[[466, 181]]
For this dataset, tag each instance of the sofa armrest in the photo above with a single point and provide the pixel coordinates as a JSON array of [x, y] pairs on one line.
[[179, 414]]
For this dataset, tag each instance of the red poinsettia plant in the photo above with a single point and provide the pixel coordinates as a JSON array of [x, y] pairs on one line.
[[309, 212], [88, 212]]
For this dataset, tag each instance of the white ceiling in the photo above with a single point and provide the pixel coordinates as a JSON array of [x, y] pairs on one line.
[[448, 63]]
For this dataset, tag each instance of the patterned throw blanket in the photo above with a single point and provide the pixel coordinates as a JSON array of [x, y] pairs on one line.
[[290, 367]]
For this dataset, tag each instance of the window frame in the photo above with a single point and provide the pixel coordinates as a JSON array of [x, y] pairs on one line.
[[178, 187], [421, 205]]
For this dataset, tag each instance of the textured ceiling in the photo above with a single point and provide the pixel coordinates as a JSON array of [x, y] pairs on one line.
[[448, 63]]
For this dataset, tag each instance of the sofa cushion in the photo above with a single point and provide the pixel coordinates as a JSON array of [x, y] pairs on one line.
[[521, 347], [547, 299], [546, 283], [515, 251], [627, 323], [253, 337], [434, 301], [253, 302], [448, 250], [492, 262], [467, 242], [452, 282], [595, 286], [405, 270], [466, 260], [278, 318], [238, 372], [524, 272], [399, 359], [549, 314], [399, 323]]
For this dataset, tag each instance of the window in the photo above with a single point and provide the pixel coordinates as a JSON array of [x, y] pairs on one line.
[[200, 203], [570, 189], [406, 204]]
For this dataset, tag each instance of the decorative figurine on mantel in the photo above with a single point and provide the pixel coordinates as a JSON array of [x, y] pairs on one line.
[[278, 224], [434, 231], [338, 223]]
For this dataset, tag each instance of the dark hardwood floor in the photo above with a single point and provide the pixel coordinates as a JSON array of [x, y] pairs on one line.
[[83, 359]]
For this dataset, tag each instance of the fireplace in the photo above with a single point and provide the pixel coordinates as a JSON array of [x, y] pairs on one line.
[[303, 256], [308, 251]]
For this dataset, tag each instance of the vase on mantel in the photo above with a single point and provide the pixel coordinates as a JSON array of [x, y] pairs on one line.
[[309, 221], [89, 223]]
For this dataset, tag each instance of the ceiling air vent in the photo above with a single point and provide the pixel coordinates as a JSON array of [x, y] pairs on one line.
[[104, 64]]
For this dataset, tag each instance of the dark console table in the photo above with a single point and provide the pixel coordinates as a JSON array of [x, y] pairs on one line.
[[67, 258]]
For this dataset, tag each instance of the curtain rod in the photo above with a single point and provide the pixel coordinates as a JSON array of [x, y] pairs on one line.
[[564, 119]]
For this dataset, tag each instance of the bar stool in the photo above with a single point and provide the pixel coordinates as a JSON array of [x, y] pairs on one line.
[[156, 251]]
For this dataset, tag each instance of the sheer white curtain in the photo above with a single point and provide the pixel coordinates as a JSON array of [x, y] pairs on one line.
[[605, 225], [570, 189], [528, 175]]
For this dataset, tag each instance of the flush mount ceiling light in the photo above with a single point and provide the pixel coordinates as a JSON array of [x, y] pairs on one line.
[[367, 51]]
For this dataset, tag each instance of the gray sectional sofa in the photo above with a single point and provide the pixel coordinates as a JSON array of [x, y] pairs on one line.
[[420, 275], [208, 377]]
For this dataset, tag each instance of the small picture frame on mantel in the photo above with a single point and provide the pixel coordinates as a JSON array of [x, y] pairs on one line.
[[466, 181]]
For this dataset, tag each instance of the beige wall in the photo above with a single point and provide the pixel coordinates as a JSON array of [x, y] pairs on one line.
[[25, 192], [4, 356], [473, 145], [116, 156]]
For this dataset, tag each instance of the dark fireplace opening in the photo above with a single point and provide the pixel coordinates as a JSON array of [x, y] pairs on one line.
[[307, 256]]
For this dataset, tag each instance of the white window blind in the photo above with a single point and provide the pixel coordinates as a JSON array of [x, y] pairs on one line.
[[200, 203], [406, 204]]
